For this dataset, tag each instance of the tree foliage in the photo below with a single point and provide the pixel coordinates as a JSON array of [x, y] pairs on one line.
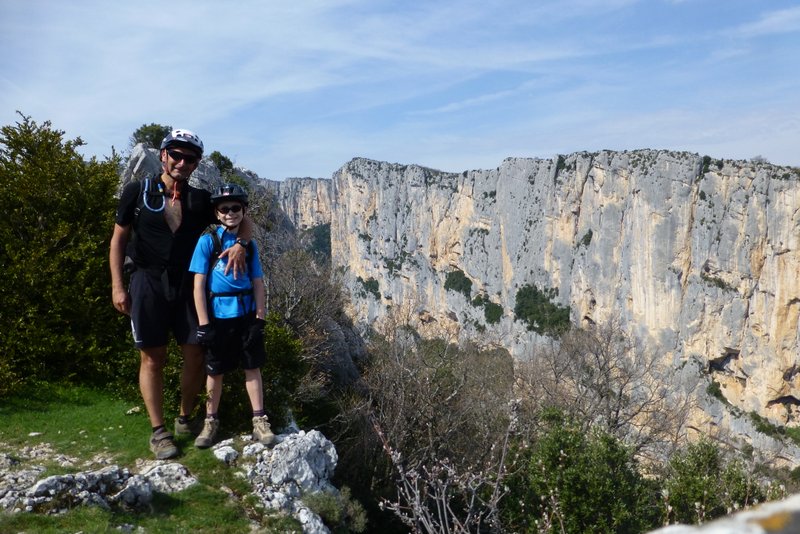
[[457, 281], [56, 318], [701, 484], [223, 163], [536, 308], [574, 481], [150, 135], [601, 377]]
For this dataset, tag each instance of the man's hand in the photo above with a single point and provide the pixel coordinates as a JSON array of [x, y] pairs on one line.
[[121, 300], [206, 334], [237, 259]]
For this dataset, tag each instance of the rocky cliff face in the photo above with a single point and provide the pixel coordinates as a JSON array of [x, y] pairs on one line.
[[698, 257]]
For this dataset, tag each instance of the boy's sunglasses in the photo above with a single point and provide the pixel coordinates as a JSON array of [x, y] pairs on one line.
[[180, 156], [225, 209]]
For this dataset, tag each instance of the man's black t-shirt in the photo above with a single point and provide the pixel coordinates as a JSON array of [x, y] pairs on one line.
[[154, 244]]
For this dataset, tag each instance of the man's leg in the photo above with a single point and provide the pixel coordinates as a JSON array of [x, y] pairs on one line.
[[192, 376], [151, 382]]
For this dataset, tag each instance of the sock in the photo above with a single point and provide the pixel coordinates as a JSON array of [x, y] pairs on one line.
[[183, 419], [211, 416], [157, 428], [258, 413]]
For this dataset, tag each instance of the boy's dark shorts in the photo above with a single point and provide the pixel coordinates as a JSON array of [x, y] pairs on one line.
[[160, 305], [229, 351]]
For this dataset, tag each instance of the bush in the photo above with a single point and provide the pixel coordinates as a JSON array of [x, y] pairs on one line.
[[492, 312], [56, 314], [701, 485], [457, 281], [582, 482], [340, 512], [321, 241], [536, 309]]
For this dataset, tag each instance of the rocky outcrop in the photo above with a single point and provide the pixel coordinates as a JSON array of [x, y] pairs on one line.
[[699, 257], [300, 464]]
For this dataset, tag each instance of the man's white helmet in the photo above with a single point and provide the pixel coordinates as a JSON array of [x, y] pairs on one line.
[[184, 138]]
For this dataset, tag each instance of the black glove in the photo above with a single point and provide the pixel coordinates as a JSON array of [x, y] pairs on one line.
[[255, 332], [206, 334]]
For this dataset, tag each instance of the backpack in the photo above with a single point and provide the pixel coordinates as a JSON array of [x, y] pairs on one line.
[[216, 250], [147, 188]]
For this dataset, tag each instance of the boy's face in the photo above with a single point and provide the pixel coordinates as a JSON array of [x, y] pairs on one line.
[[230, 213]]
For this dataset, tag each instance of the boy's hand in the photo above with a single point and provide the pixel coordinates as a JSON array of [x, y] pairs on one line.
[[206, 334]]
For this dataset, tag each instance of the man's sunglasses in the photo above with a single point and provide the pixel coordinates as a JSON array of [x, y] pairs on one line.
[[225, 209], [180, 156]]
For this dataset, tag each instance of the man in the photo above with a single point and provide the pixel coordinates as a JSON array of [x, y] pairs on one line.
[[165, 217]]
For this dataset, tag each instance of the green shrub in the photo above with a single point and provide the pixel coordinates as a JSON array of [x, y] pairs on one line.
[[321, 240], [701, 485], [57, 319], [457, 281], [535, 308], [369, 286], [582, 481], [586, 239], [340, 512], [492, 312]]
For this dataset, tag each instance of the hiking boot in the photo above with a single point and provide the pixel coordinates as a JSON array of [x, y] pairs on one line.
[[261, 430], [191, 427], [162, 445], [206, 437]]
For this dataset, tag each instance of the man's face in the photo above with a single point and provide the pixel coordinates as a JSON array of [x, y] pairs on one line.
[[179, 162]]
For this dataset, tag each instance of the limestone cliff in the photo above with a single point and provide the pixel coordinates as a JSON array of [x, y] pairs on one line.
[[699, 257]]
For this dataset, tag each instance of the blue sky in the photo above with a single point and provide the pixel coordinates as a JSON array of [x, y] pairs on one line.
[[299, 88]]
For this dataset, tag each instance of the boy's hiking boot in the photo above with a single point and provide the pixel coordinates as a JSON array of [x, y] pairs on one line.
[[162, 445], [206, 437], [191, 427], [261, 430]]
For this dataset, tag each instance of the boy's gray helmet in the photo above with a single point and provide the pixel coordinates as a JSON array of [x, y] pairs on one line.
[[184, 138], [227, 192]]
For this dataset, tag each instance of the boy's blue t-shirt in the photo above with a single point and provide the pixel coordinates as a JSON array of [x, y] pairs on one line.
[[226, 307]]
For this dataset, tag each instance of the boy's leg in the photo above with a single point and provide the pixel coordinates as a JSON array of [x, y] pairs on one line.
[[214, 391], [254, 386], [211, 423], [261, 428]]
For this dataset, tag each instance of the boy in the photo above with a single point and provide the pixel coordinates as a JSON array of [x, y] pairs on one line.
[[230, 312]]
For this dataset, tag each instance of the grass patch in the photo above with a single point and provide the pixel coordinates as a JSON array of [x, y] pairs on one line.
[[76, 421], [82, 423]]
